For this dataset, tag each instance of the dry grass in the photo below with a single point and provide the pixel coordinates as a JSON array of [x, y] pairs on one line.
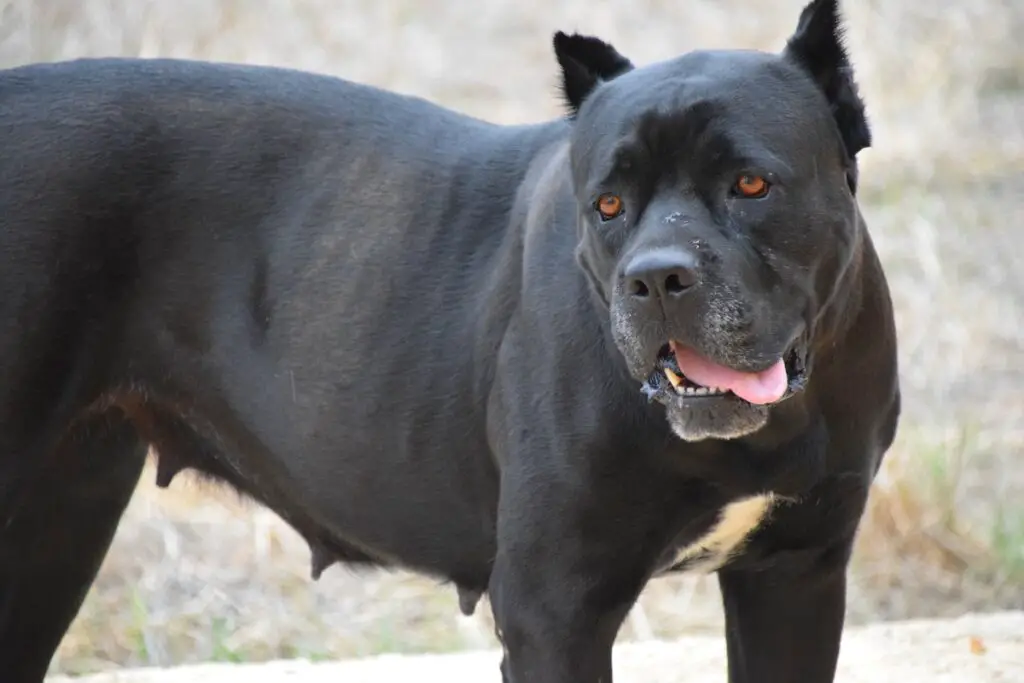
[[194, 575]]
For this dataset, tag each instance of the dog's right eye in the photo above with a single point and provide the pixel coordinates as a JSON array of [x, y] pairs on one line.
[[751, 186], [609, 206]]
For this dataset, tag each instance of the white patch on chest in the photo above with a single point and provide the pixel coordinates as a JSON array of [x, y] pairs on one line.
[[735, 523]]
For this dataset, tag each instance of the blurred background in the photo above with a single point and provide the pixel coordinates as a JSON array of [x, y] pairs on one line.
[[197, 575]]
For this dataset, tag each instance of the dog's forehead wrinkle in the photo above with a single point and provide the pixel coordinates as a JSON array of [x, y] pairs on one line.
[[738, 109], [621, 156], [704, 74], [697, 122], [704, 138]]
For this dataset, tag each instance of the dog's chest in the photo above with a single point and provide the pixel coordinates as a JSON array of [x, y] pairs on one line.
[[725, 537]]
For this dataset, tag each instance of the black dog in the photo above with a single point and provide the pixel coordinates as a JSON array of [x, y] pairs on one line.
[[546, 362]]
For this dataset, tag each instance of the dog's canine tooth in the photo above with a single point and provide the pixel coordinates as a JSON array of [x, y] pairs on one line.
[[673, 378]]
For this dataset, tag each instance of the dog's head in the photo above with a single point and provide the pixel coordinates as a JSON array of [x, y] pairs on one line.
[[716, 213]]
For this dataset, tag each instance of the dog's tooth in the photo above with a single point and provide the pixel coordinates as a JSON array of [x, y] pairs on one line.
[[673, 378], [700, 391]]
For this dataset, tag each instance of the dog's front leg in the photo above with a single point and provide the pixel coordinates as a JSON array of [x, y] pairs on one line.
[[784, 623], [567, 571], [556, 625]]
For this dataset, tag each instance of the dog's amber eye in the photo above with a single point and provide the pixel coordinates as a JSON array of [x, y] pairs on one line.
[[609, 206], [751, 186]]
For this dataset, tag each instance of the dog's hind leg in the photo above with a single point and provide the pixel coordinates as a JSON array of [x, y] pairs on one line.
[[55, 536]]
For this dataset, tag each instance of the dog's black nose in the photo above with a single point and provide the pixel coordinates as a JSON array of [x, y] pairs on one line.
[[663, 273]]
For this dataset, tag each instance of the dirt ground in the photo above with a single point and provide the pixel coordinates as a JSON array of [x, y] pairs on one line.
[[194, 575], [972, 649]]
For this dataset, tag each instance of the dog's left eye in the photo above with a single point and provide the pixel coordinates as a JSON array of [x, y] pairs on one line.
[[609, 206], [751, 186]]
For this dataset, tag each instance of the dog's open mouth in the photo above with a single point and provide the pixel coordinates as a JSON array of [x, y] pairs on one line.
[[681, 374]]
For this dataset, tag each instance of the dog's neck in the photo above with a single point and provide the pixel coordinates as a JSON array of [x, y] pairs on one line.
[[839, 311]]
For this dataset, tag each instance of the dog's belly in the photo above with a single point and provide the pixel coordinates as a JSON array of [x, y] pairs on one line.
[[389, 480], [725, 537]]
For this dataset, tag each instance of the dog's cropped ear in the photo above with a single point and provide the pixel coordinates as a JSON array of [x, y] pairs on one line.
[[817, 47], [586, 62]]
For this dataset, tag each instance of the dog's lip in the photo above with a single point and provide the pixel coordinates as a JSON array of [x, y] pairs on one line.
[[661, 386]]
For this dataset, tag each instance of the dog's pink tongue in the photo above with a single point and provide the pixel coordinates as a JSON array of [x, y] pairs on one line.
[[759, 388]]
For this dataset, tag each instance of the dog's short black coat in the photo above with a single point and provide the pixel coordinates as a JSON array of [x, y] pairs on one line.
[[411, 334]]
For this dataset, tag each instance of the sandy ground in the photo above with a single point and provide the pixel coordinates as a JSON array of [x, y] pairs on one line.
[[972, 649]]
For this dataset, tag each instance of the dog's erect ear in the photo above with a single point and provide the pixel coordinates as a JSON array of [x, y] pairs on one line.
[[817, 46], [586, 62]]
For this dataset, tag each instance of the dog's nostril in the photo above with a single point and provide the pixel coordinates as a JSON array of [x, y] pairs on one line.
[[673, 285], [679, 279], [639, 289]]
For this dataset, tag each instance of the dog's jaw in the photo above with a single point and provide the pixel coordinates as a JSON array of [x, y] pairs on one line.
[[717, 418]]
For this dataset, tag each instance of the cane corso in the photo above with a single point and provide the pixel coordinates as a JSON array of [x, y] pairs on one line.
[[546, 363]]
